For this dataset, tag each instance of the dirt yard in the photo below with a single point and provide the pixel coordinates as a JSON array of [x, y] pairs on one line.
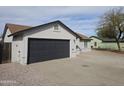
[[91, 68]]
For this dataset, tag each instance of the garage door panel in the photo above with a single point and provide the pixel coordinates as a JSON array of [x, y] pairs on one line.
[[45, 49]]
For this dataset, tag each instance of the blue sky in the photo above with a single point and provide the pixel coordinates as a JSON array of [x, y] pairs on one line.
[[80, 19]]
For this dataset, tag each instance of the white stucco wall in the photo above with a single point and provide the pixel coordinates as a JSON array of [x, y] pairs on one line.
[[17, 47], [47, 33], [6, 38], [78, 50], [112, 46], [83, 48], [98, 41], [106, 45]]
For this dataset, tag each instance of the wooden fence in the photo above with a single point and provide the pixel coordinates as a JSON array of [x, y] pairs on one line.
[[6, 53]]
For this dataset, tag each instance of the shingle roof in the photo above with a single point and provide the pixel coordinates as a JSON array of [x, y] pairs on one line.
[[83, 36], [110, 40], [107, 39], [96, 37], [16, 28], [44, 25]]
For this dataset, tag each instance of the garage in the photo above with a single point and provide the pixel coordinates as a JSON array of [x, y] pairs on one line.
[[46, 49], [44, 42]]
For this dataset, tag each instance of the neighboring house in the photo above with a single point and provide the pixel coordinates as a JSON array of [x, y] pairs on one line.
[[84, 43], [105, 43], [52, 40], [95, 42]]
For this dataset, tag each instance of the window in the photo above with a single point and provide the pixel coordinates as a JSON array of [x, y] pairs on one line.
[[95, 43], [85, 44], [56, 27]]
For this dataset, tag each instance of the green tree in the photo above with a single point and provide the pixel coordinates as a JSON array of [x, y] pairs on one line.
[[111, 25]]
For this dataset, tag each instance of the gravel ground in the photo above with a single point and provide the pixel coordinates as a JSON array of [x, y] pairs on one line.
[[91, 68]]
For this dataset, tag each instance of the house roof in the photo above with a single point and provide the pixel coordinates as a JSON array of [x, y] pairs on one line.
[[28, 28], [110, 40], [107, 39], [96, 37], [16, 28], [83, 37]]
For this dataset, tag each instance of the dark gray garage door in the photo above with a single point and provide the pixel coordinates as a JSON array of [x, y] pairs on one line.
[[46, 49]]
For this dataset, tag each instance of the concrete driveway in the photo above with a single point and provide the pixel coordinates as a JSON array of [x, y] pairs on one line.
[[90, 68]]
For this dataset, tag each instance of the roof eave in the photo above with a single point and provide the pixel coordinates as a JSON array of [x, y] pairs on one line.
[[59, 22]]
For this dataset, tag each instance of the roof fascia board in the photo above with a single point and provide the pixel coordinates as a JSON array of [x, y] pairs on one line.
[[47, 24]]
